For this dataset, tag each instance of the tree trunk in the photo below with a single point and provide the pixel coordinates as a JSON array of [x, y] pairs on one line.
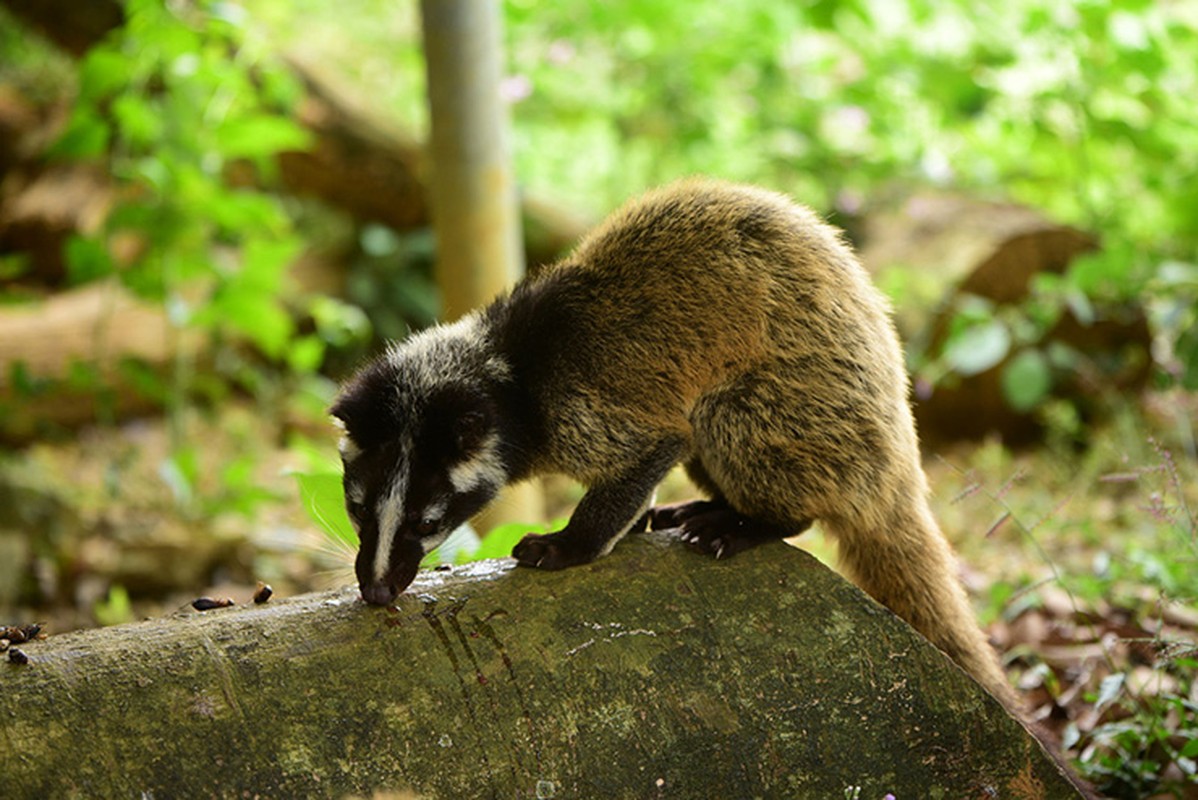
[[473, 187], [654, 672], [476, 214]]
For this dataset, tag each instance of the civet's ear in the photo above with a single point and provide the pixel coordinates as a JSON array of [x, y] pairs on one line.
[[364, 409]]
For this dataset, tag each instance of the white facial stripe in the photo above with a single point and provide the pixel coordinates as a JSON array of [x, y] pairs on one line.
[[388, 513], [346, 446], [483, 468], [348, 449], [435, 510]]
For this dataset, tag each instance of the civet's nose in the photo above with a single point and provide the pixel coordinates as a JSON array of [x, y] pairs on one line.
[[378, 593]]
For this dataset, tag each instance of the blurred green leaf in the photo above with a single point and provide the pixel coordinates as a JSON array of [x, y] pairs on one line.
[[500, 541], [23, 381], [261, 135], [180, 471], [265, 262], [1026, 380], [254, 315], [140, 122], [306, 353], [86, 136], [144, 379], [102, 72], [83, 376], [338, 322], [115, 608], [87, 259], [13, 266], [1186, 351], [978, 348], [324, 500]]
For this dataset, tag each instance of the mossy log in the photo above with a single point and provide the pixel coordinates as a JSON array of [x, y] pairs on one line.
[[653, 673]]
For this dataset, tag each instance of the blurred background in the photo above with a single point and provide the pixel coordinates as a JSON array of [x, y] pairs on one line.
[[211, 211]]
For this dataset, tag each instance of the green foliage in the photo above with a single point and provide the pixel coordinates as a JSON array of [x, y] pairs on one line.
[[1148, 741], [188, 110], [499, 541], [174, 100], [837, 95], [978, 347], [1026, 380], [1152, 746], [1081, 109], [1115, 527], [392, 280], [324, 501], [1173, 295], [27, 64]]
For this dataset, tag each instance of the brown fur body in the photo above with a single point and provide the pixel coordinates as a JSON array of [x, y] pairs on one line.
[[727, 328]]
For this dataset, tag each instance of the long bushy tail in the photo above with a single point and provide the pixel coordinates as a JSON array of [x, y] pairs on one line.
[[901, 558]]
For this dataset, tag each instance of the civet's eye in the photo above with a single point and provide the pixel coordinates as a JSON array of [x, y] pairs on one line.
[[356, 510]]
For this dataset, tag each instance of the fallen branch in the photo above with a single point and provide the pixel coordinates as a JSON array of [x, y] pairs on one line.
[[654, 672], [99, 325]]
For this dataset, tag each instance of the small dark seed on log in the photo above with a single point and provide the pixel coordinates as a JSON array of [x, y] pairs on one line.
[[16, 634], [263, 593], [209, 603], [17, 656]]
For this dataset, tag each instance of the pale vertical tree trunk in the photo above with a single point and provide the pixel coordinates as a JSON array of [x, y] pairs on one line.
[[476, 214]]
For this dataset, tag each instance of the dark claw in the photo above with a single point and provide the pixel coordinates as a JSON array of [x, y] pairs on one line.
[[715, 528]]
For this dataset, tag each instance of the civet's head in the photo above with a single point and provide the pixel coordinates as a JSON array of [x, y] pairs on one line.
[[421, 450]]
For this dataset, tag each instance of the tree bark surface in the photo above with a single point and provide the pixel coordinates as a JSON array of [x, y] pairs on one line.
[[654, 672]]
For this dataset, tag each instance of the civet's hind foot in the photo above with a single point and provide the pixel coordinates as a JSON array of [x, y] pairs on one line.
[[715, 528]]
